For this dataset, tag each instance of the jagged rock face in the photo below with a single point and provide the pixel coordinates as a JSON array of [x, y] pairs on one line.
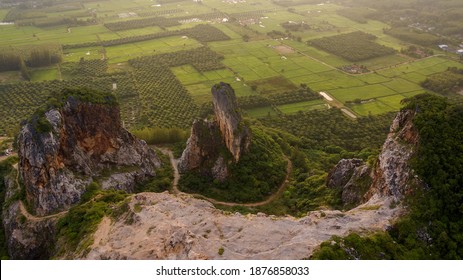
[[393, 175], [210, 141], [86, 140], [236, 136], [352, 178], [25, 239], [182, 227], [203, 151]]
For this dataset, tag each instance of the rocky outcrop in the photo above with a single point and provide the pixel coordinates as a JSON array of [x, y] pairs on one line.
[[28, 239], [392, 175], [163, 226], [84, 142], [25, 238], [236, 136], [213, 144], [351, 177]]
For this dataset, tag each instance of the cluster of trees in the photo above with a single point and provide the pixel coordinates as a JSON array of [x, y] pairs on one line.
[[202, 33], [164, 100], [421, 21], [295, 26], [34, 57], [413, 36], [56, 21], [321, 128], [432, 229], [355, 46], [202, 58], [152, 13], [250, 15], [85, 67], [417, 52], [445, 82], [158, 135], [140, 23], [162, 22], [358, 14], [258, 100]]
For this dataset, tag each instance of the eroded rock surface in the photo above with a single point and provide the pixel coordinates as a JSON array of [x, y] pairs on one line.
[[212, 144], [86, 141], [393, 175], [352, 178], [235, 134], [182, 227]]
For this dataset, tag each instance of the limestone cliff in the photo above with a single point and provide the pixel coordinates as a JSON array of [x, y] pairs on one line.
[[235, 135], [64, 149], [351, 177], [391, 176], [212, 143]]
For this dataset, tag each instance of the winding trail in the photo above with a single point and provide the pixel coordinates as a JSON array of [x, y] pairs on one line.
[[175, 189], [25, 213]]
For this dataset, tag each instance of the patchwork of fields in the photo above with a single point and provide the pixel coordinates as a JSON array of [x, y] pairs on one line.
[[258, 57]]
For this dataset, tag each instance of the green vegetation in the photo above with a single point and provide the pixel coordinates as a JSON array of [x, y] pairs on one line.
[[75, 229], [319, 129], [39, 120], [163, 179], [355, 46], [258, 173], [432, 229], [88, 95], [413, 36], [445, 82], [155, 136]]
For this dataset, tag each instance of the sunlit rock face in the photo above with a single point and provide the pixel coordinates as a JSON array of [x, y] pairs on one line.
[[215, 143], [85, 142]]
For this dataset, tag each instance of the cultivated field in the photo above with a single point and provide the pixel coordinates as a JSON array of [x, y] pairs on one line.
[[161, 58]]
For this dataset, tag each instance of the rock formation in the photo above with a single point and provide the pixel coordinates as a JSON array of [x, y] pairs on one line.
[[182, 227], [391, 176], [84, 142], [235, 135], [352, 178], [213, 143]]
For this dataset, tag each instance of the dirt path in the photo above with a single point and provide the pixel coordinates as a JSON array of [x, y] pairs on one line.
[[101, 234], [175, 190], [26, 213]]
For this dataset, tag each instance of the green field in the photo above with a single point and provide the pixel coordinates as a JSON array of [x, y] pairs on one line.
[[261, 112], [302, 106], [258, 64]]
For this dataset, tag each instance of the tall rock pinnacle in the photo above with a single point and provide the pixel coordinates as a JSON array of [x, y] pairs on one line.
[[209, 139], [235, 135]]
